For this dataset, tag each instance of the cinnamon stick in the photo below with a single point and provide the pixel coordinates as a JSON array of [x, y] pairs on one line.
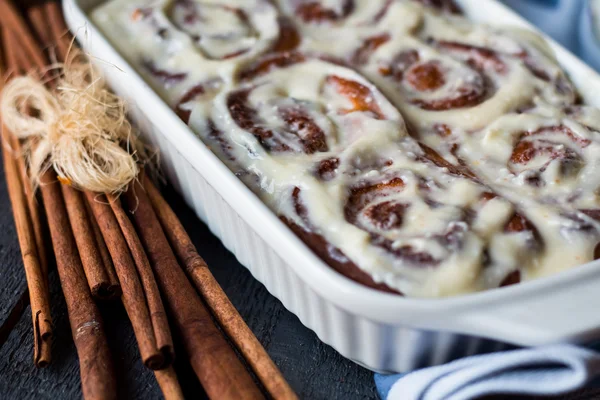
[[141, 299], [169, 385], [221, 373], [97, 375], [155, 354], [13, 21], [39, 296], [29, 232], [158, 316], [60, 32], [35, 212], [98, 269], [36, 215], [93, 265], [104, 254], [39, 21], [226, 314]]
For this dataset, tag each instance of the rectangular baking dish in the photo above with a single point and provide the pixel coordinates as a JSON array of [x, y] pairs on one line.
[[381, 331]]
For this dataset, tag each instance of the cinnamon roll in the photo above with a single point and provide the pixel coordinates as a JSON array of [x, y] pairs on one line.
[[168, 39], [458, 84], [226, 29], [422, 229], [286, 117], [440, 233], [450, 78], [551, 159], [347, 22], [547, 161]]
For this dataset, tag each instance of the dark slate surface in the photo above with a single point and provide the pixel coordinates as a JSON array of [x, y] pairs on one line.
[[13, 296]]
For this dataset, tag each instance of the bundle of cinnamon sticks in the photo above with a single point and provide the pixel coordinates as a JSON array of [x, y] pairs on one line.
[[131, 248]]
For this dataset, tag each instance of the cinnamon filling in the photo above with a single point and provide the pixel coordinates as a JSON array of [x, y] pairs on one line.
[[536, 150], [443, 5], [363, 53], [426, 77], [266, 64], [289, 39], [300, 132], [358, 94], [168, 78], [316, 12]]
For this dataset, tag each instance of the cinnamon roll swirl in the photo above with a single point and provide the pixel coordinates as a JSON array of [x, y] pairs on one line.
[[457, 84], [168, 39], [286, 117], [547, 161], [551, 159], [324, 22]]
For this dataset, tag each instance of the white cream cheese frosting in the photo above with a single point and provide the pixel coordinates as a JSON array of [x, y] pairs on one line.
[[439, 156]]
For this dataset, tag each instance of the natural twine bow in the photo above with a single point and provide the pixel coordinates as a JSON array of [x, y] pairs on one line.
[[78, 128]]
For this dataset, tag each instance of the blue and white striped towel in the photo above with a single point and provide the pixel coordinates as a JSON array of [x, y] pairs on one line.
[[548, 370]]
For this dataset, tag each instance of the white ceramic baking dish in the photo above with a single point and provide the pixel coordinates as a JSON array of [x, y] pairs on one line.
[[381, 331]]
